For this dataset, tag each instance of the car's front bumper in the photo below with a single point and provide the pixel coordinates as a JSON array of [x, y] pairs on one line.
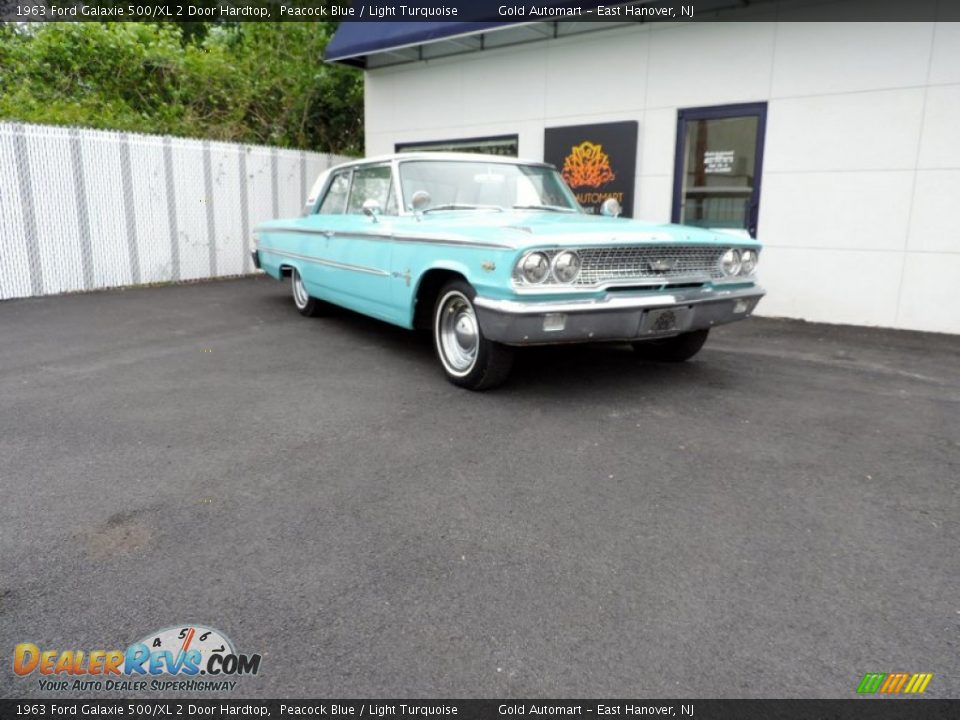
[[615, 316]]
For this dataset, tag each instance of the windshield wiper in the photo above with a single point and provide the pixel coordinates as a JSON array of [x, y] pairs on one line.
[[551, 208], [463, 206]]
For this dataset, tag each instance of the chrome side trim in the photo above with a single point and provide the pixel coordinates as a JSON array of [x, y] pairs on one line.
[[559, 289], [448, 241], [617, 302], [293, 231], [328, 263], [395, 237]]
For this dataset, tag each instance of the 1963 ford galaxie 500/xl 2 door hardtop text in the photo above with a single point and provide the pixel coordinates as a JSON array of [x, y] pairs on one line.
[[492, 253]]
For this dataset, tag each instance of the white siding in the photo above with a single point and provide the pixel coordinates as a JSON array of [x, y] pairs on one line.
[[861, 170]]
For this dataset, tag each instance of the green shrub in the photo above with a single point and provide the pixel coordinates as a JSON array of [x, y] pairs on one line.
[[246, 82]]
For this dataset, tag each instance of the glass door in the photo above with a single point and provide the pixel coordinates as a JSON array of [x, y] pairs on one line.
[[718, 166]]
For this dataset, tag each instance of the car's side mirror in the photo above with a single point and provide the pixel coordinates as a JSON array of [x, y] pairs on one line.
[[611, 207], [419, 202], [371, 208]]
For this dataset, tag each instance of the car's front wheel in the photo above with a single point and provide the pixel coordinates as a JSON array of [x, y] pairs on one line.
[[674, 349], [309, 306], [468, 358]]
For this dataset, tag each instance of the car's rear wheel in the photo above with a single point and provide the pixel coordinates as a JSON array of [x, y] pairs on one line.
[[468, 358], [309, 306], [674, 349]]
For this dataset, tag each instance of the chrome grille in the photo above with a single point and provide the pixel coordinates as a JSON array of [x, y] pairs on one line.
[[649, 264]]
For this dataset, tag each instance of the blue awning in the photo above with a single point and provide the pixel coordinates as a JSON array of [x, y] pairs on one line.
[[389, 40], [354, 41], [372, 41]]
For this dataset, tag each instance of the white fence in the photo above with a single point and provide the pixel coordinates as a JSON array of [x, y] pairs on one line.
[[86, 209]]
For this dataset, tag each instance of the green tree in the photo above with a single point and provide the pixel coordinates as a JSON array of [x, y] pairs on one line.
[[244, 82]]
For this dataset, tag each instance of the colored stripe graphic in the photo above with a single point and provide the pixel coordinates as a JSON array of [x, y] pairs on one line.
[[918, 683], [894, 683], [871, 682]]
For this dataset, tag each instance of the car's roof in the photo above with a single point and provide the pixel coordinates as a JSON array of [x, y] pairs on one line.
[[446, 156]]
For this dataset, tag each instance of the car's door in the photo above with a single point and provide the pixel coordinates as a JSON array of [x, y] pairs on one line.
[[351, 248], [315, 244], [364, 248]]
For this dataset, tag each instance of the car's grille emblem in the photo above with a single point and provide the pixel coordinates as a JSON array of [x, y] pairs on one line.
[[661, 264]]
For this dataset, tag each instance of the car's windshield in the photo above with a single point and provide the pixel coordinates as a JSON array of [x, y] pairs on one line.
[[467, 185]]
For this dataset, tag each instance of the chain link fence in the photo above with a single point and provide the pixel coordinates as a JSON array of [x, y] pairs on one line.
[[89, 209]]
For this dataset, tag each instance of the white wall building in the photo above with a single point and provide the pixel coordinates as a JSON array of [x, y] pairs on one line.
[[859, 194]]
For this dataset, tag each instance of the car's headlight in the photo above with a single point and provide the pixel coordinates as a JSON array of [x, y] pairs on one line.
[[566, 266], [535, 267], [748, 261], [730, 262]]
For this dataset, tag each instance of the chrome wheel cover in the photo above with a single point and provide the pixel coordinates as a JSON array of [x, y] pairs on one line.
[[457, 333], [300, 296]]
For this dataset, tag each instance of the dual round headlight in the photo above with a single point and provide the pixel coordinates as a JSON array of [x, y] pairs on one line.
[[730, 262], [535, 268], [566, 266], [739, 262], [748, 261]]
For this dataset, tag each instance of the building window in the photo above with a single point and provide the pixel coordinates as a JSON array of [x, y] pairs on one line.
[[718, 166], [499, 145]]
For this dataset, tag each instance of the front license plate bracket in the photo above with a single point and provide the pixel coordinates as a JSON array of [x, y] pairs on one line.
[[665, 321]]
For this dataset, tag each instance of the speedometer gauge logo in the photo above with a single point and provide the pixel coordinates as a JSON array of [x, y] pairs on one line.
[[188, 650], [201, 642]]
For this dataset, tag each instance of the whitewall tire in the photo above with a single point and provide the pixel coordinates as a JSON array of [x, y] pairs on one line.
[[468, 358]]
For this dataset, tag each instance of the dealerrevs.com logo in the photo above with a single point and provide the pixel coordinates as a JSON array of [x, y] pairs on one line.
[[183, 657]]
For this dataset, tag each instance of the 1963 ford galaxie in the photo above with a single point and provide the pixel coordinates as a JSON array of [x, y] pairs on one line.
[[491, 253]]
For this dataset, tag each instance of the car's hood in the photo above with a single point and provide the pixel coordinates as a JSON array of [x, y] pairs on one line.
[[539, 229]]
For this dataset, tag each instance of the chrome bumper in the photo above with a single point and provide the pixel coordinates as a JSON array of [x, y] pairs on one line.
[[614, 316]]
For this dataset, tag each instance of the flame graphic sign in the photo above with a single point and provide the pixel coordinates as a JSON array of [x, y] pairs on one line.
[[587, 165], [598, 161]]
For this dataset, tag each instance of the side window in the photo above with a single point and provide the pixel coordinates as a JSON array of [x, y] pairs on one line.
[[372, 183], [335, 201]]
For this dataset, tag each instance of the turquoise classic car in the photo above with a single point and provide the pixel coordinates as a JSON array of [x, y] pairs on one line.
[[491, 253]]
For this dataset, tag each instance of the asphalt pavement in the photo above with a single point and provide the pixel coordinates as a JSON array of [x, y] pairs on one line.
[[774, 518]]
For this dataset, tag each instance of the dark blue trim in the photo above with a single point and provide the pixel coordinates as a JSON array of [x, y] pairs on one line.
[[366, 35], [402, 146], [716, 112], [354, 40]]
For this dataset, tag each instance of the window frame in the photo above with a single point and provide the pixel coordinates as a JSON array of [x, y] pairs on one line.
[[329, 185], [371, 166], [721, 112], [394, 163], [495, 160], [450, 145]]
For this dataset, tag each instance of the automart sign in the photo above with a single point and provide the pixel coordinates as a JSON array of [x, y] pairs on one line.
[[597, 161]]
